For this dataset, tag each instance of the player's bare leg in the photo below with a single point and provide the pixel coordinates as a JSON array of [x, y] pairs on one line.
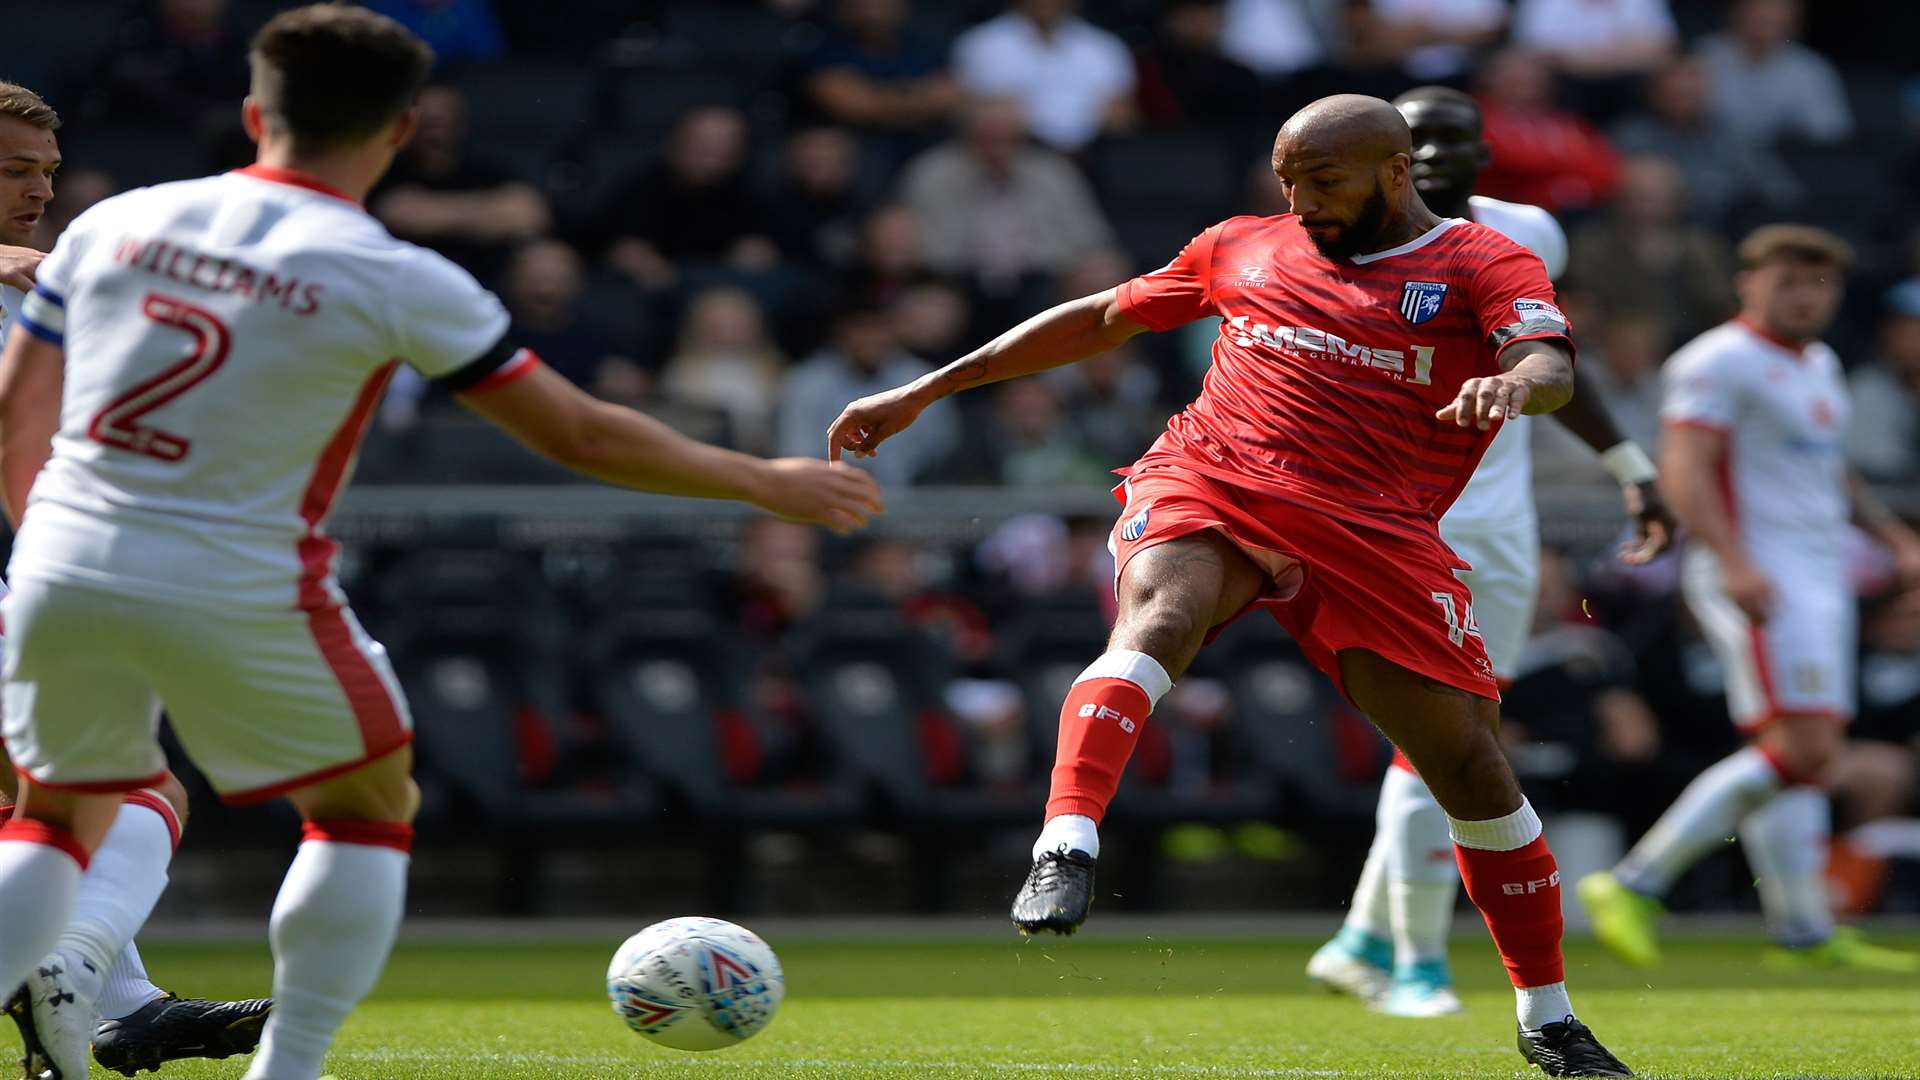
[[338, 910], [1170, 596], [1450, 736]]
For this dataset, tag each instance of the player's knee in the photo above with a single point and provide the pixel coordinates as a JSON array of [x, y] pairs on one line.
[[1160, 622], [1806, 745], [172, 790], [1470, 778]]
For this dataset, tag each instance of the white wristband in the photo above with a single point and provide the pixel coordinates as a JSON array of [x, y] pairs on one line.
[[1628, 463]]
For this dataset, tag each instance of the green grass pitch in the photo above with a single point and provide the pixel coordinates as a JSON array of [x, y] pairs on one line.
[[1081, 1008]]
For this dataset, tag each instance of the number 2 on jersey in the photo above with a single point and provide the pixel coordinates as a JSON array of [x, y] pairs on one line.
[[118, 425]]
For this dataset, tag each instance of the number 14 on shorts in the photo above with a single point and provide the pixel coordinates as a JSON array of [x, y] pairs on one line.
[[1459, 616]]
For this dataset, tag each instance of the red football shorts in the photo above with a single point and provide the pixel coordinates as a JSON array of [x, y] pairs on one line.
[[1333, 584]]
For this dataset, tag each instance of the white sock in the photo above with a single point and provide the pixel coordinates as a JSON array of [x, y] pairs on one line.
[[1786, 845], [1704, 815], [1370, 913], [127, 989], [333, 926], [1422, 877], [38, 880], [1068, 832], [123, 882], [1542, 1005]]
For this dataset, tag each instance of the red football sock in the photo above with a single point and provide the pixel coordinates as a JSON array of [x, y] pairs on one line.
[[1518, 893], [1099, 726]]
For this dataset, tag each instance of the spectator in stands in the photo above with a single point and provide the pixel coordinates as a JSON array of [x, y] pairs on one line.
[[1277, 39], [545, 281], [1645, 256], [815, 209], [1031, 443], [1724, 171], [695, 206], [1435, 39], [1112, 402], [1186, 80], [777, 579], [1767, 86], [873, 74], [1883, 438], [1542, 153], [80, 188], [863, 358], [443, 193], [933, 321], [173, 61], [892, 257], [727, 362], [993, 206], [1074, 79], [460, 31], [1595, 40]]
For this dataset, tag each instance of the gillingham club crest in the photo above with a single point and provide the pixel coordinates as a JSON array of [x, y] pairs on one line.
[[1135, 527], [1420, 300]]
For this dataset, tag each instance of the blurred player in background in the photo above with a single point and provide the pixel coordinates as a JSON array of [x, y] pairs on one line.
[[139, 1024], [236, 333], [1755, 415], [1367, 353], [1392, 952]]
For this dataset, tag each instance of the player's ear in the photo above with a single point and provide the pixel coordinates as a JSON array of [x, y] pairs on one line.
[[403, 128], [251, 118]]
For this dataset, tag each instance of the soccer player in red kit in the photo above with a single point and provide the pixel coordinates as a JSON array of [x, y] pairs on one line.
[[1368, 349]]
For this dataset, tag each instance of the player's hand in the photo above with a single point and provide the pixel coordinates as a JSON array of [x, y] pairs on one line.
[[865, 424], [817, 492], [1484, 402], [1653, 524], [18, 266], [1748, 588]]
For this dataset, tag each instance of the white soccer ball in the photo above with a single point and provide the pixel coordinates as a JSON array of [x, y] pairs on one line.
[[696, 984]]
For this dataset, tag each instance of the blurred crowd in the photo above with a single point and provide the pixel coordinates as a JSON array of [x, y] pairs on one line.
[[739, 215]]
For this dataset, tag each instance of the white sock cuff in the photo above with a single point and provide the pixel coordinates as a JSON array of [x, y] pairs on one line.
[[1068, 832], [1509, 833], [1137, 668]]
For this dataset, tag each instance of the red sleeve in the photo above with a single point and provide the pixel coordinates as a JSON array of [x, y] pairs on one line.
[[1177, 293], [1514, 301]]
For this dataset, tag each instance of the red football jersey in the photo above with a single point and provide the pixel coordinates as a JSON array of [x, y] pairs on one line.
[[1327, 372]]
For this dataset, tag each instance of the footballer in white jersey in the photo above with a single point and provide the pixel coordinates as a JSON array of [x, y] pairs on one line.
[[1754, 418], [1392, 951], [199, 362]]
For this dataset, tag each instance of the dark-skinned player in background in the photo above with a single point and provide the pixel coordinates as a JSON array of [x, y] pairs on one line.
[[1392, 951], [1368, 351]]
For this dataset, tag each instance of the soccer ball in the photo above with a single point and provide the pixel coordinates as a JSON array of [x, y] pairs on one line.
[[696, 984]]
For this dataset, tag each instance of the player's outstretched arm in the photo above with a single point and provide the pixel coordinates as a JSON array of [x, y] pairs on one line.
[[609, 442], [1536, 376], [1056, 337], [1587, 417], [32, 372]]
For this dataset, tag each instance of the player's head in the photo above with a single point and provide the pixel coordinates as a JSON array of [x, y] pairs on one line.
[[1791, 279], [1449, 148], [335, 79], [1344, 164], [29, 156]]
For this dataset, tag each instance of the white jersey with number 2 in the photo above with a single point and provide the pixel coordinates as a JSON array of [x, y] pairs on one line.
[[226, 342]]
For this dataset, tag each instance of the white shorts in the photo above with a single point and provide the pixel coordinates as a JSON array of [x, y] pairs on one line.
[[264, 701], [1800, 663], [1505, 582]]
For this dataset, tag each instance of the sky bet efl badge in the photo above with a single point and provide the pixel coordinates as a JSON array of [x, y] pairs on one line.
[[1420, 300]]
